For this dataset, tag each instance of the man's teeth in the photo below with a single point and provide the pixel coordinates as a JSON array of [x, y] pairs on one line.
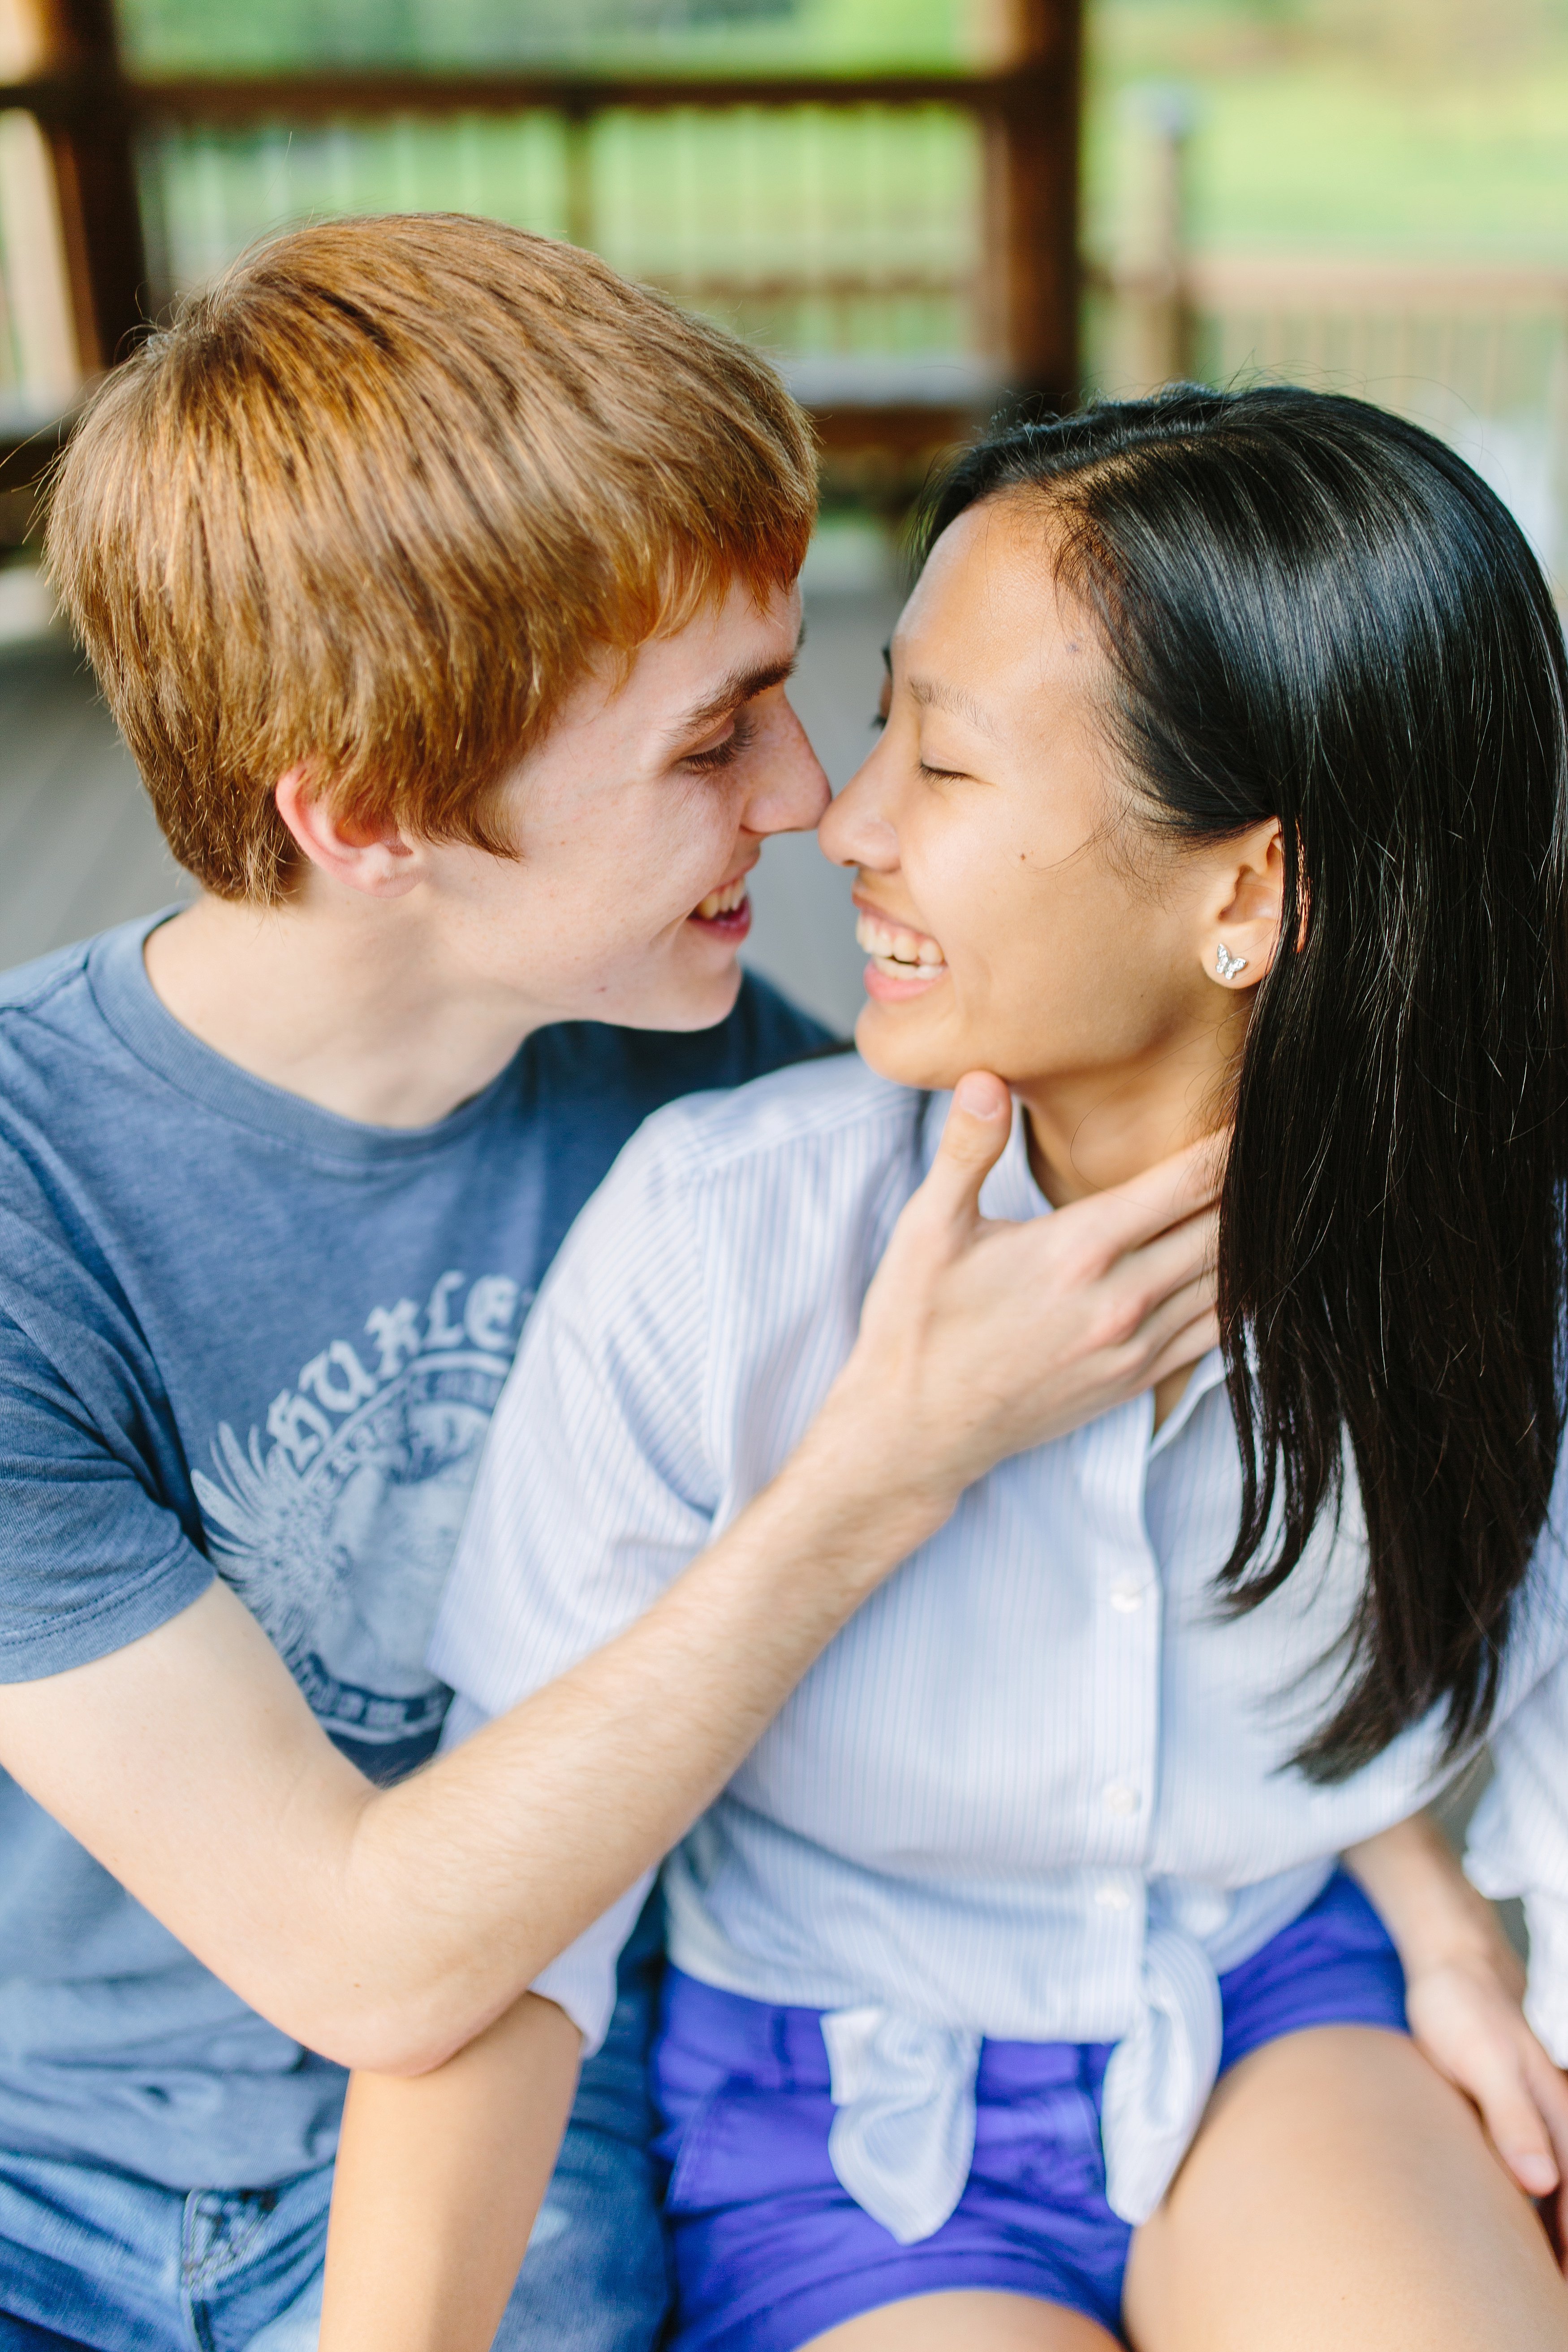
[[723, 902], [890, 943]]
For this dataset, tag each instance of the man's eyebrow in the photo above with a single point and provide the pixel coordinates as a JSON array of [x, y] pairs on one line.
[[936, 693], [740, 686]]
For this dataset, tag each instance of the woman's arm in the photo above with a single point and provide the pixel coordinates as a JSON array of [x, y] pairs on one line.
[[439, 2180], [1464, 1985]]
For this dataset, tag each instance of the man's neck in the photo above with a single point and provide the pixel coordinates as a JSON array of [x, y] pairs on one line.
[[356, 1013]]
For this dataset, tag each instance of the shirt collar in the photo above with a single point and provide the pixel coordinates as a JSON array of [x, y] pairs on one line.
[[1010, 1190], [1207, 1373]]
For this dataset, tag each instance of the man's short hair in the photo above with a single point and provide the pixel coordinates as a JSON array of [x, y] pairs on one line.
[[374, 502]]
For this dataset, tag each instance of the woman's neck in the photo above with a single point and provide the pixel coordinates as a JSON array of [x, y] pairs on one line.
[[1089, 1128], [1102, 1126]]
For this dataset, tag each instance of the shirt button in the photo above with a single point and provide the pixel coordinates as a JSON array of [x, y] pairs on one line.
[[1121, 1799], [1111, 1897], [1126, 1597]]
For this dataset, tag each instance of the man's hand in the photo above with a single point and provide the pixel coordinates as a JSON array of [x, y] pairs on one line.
[[979, 1339], [1464, 1984], [387, 1927]]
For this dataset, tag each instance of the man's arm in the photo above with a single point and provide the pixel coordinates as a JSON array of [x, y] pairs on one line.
[[387, 1927]]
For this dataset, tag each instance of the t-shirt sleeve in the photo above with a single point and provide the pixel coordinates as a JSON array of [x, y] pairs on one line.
[[595, 1488], [1517, 1846], [91, 1554]]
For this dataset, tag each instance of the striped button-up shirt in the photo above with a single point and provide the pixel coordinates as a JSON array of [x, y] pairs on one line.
[[1039, 1788]]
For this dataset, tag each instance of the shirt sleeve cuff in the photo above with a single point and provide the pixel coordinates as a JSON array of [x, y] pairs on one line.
[[1500, 1863], [1546, 2000], [583, 1980], [76, 1637]]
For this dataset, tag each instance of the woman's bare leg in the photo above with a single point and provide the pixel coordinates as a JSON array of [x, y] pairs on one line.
[[967, 2320], [1340, 2197]]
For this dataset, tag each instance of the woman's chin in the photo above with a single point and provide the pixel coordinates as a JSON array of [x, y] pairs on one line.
[[906, 1050]]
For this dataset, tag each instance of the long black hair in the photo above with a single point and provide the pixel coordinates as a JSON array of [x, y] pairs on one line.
[[1316, 612]]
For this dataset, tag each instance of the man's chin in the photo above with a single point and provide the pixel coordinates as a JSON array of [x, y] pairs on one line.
[[692, 1001]]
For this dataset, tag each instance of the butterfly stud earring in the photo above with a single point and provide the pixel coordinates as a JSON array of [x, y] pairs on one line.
[[1226, 964]]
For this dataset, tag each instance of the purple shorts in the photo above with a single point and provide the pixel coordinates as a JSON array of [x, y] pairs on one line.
[[771, 2250]]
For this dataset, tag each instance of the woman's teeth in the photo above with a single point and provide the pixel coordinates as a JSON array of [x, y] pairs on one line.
[[722, 902], [889, 944]]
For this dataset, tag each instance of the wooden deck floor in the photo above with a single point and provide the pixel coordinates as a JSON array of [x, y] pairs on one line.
[[79, 846]]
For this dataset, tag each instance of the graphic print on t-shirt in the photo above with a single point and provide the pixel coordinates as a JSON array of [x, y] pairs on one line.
[[362, 1467]]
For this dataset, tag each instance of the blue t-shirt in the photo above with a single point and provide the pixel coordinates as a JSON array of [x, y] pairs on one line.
[[239, 1333]]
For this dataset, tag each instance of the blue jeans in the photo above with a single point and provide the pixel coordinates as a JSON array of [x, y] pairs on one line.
[[92, 2258]]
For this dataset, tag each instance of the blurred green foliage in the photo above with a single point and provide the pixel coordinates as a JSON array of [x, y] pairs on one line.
[[724, 35], [1421, 127], [1394, 126]]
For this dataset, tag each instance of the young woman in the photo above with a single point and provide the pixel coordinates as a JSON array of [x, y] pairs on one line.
[[1222, 786]]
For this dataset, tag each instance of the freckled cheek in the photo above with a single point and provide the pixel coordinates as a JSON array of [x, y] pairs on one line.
[[673, 860]]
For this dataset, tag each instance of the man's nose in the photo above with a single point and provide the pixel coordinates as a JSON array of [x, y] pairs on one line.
[[795, 792], [854, 832]]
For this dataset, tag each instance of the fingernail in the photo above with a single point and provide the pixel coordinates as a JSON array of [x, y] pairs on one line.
[[973, 1094]]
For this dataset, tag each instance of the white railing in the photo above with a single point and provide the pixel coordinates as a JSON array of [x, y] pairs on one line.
[[1476, 352]]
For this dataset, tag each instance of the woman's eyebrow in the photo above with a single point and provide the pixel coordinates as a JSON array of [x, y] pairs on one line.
[[938, 694]]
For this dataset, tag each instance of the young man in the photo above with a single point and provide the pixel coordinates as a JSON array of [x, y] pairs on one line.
[[442, 585]]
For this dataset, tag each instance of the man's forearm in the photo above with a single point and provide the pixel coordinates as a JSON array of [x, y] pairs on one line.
[[385, 1928], [547, 1814]]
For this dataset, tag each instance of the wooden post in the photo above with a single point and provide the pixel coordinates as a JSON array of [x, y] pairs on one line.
[[1156, 324], [48, 362], [577, 132], [1034, 171], [95, 168]]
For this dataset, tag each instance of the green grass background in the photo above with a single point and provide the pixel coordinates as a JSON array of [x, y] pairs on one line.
[[1415, 127]]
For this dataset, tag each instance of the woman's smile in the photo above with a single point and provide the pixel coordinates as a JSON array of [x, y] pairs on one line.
[[904, 963]]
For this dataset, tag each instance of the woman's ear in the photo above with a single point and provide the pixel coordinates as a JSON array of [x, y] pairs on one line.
[[1241, 936], [371, 858]]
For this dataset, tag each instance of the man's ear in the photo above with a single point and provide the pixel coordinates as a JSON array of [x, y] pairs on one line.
[[1240, 938], [374, 858]]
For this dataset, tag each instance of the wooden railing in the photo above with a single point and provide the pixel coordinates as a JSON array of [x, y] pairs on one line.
[[92, 112]]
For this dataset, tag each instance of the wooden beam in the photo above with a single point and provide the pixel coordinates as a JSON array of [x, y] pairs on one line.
[[360, 93], [1033, 183]]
